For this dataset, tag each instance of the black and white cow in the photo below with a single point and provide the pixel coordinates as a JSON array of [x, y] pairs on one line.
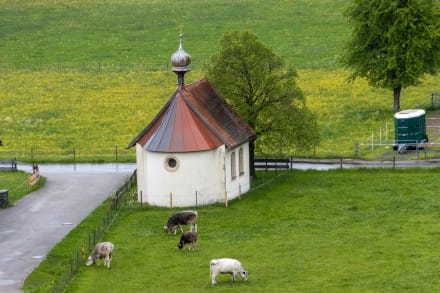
[[189, 238], [182, 218], [102, 250], [227, 266]]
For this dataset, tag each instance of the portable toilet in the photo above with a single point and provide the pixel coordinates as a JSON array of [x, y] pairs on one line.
[[409, 128]]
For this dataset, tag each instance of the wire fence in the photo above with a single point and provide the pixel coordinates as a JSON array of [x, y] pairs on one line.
[[69, 155], [76, 260]]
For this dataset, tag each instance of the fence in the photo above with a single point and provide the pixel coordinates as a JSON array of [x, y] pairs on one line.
[[272, 163], [77, 258], [70, 155], [435, 100], [8, 165]]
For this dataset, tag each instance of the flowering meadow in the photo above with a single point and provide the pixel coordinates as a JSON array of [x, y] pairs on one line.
[[52, 115], [80, 79]]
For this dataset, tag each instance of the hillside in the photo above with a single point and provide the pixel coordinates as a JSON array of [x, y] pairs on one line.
[[80, 79]]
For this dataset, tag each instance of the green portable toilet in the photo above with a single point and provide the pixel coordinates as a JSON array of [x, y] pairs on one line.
[[409, 127]]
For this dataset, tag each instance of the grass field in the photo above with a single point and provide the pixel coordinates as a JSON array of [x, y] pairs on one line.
[[304, 231], [121, 34], [80, 79], [17, 185]]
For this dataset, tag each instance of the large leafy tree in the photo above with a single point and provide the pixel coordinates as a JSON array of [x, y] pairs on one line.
[[260, 87], [393, 43]]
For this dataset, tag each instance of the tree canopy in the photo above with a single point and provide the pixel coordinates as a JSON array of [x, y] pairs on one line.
[[393, 43], [260, 87]]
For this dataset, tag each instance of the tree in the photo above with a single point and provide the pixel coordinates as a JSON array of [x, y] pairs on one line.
[[393, 43], [263, 91]]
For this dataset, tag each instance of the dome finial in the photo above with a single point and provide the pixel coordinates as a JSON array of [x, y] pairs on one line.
[[180, 61]]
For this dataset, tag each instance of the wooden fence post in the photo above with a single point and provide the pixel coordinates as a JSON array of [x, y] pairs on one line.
[[171, 200]]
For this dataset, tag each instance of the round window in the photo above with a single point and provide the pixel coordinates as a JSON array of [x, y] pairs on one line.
[[171, 163]]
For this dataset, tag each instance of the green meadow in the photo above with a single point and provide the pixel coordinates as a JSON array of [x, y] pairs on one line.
[[304, 231], [80, 79], [17, 185]]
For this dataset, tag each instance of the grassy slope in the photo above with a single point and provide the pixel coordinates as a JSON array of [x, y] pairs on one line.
[[325, 233], [101, 70], [143, 34], [17, 184]]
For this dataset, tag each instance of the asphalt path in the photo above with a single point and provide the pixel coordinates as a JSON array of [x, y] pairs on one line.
[[37, 222]]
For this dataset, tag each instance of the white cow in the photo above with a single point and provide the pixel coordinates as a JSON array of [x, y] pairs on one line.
[[102, 250], [227, 266]]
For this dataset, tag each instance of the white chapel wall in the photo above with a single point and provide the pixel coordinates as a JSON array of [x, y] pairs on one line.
[[240, 183], [198, 178]]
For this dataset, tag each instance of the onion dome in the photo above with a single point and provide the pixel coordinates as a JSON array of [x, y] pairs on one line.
[[180, 59]]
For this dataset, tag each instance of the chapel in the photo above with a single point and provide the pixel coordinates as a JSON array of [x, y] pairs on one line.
[[196, 149]]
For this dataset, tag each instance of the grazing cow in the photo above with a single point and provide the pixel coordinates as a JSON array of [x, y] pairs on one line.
[[227, 266], [102, 250], [182, 218], [188, 238]]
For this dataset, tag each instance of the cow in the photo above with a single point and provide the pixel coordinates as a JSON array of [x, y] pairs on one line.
[[102, 250], [189, 238], [182, 218], [227, 266]]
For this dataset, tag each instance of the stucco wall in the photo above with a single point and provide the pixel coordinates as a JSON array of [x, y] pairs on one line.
[[241, 183], [200, 178]]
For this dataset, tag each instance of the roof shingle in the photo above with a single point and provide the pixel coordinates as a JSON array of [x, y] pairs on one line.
[[195, 118]]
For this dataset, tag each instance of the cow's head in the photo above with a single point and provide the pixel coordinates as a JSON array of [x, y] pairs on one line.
[[90, 261], [244, 274]]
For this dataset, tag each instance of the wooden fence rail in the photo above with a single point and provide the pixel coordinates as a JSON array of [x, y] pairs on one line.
[[8, 165], [272, 163]]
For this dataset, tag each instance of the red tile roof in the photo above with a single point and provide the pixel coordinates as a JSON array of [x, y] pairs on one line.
[[194, 119]]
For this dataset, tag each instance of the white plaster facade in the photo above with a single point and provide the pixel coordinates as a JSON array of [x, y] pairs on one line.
[[198, 178]]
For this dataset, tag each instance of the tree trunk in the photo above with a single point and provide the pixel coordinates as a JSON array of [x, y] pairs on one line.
[[251, 158], [397, 98]]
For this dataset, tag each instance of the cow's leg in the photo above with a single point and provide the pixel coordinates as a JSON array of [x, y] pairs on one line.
[[233, 276], [107, 260], [214, 276], [181, 229]]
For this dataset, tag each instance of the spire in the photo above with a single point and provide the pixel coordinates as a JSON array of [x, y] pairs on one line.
[[180, 61]]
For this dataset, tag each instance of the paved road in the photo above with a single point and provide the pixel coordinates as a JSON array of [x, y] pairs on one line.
[[32, 227]]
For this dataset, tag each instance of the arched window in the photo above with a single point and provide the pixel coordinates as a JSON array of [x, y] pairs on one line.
[[233, 166], [240, 162]]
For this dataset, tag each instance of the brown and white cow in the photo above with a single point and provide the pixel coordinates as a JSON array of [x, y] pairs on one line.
[[227, 266], [182, 218], [102, 250], [189, 238]]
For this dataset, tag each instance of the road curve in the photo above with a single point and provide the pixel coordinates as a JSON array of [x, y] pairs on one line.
[[37, 222]]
